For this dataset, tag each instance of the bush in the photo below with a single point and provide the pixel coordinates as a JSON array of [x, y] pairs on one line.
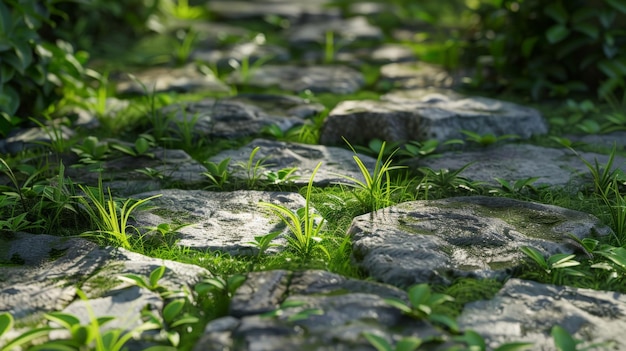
[[552, 47]]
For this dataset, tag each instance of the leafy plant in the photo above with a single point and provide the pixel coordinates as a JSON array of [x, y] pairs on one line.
[[422, 303], [563, 341], [6, 324], [92, 150], [304, 225], [110, 217], [253, 169], [475, 341], [142, 145], [217, 173], [282, 176], [264, 242], [221, 289], [444, 181], [376, 185], [516, 187], [558, 266]]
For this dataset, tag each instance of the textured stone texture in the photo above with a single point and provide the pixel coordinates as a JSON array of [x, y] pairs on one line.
[[317, 79], [527, 311], [555, 167], [435, 241], [224, 221], [336, 162], [242, 115], [437, 118]]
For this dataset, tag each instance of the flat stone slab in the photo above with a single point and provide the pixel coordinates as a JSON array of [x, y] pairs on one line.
[[511, 162], [221, 221], [293, 10], [318, 79], [279, 155], [345, 32], [527, 311], [344, 309], [121, 174], [617, 139], [53, 267], [436, 241], [433, 117], [250, 51], [161, 79], [242, 115], [408, 75]]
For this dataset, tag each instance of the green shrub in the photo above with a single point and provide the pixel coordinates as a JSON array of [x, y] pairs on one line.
[[33, 72], [552, 47]]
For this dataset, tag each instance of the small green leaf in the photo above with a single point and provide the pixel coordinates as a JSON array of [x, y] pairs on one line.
[[156, 275], [399, 304], [380, 343], [562, 339], [535, 255], [408, 344], [6, 320], [134, 279], [515, 346], [556, 33], [172, 309], [65, 320], [142, 145], [419, 294]]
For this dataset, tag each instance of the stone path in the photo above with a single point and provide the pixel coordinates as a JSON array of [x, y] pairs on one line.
[[413, 242]]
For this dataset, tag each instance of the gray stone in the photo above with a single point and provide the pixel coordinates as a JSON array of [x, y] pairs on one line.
[[223, 221], [252, 52], [161, 79], [339, 309], [617, 139], [527, 311], [121, 174], [511, 162], [431, 118], [23, 139], [345, 32], [293, 10], [435, 241], [243, 115], [336, 162], [55, 266], [416, 75], [318, 79], [388, 53], [429, 94]]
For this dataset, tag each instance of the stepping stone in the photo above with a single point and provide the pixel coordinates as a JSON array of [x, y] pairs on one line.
[[122, 174], [344, 309], [407, 75], [242, 115], [345, 32], [250, 51], [161, 79], [607, 140], [527, 311], [317, 79], [336, 162], [436, 241], [293, 10], [221, 221], [511, 162], [52, 267], [433, 117]]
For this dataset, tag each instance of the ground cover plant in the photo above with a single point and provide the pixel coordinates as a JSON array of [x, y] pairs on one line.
[[37, 195]]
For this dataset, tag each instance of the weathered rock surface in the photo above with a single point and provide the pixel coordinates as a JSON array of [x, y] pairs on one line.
[[242, 115], [526, 311], [224, 221], [317, 79], [617, 139], [293, 10], [336, 162], [407, 75], [53, 267], [121, 174], [252, 52], [432, 117], [345, 31], [511, 162], [342, 310], [435, 241], [160, 79]]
